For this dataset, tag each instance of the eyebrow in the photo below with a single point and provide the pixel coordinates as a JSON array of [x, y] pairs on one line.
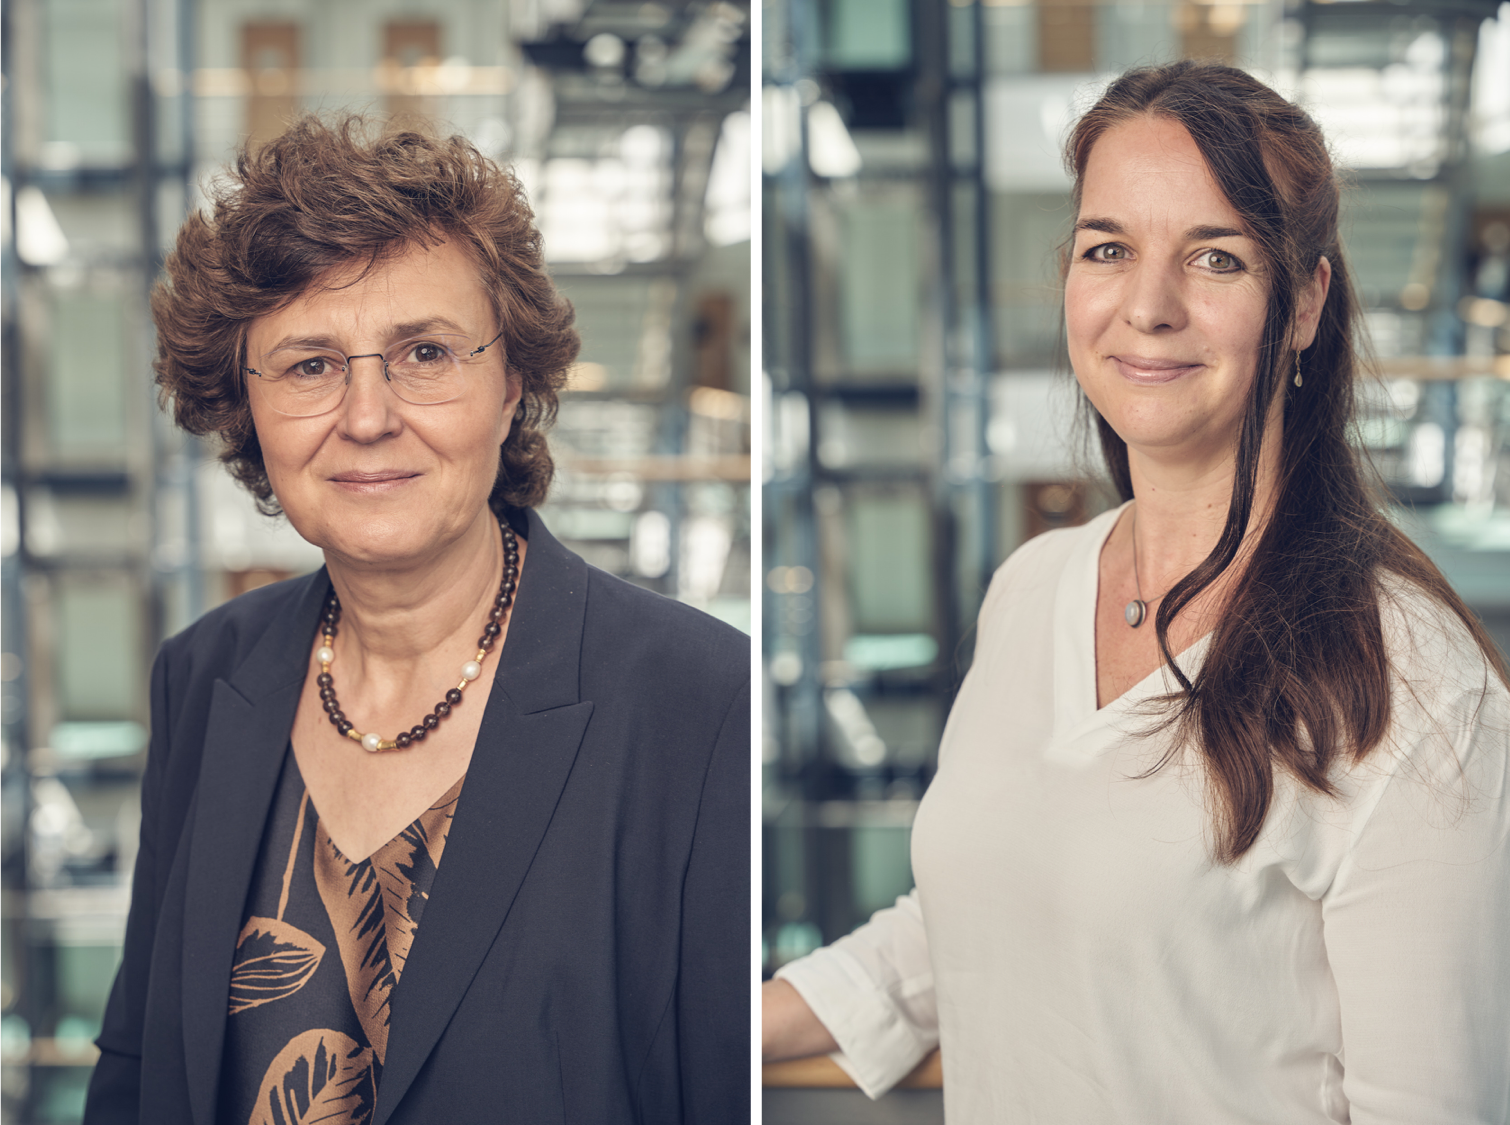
[[403, 331], [1194, 234]]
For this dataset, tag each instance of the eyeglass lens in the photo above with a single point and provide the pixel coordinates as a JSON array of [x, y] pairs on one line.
[[302, 381]]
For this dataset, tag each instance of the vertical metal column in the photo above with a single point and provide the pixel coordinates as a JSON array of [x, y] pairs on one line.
[[956, 378], [981, 320], [14, 690], [174, 564], [938, 357], [792, 373]]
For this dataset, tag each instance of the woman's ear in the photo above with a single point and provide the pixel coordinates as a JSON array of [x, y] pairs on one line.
[[1312, 301]]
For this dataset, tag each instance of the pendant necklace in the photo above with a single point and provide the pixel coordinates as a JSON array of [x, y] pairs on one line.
[[373, 743], [1136, 610]]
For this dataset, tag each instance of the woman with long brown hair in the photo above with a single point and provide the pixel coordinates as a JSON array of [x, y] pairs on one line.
[[1219, 829]]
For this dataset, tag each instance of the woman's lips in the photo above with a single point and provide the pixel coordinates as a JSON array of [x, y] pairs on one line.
[[1150, 372], [383, 481]]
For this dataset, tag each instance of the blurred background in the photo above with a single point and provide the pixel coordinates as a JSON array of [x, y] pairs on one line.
[[629, 125], [920, 409]]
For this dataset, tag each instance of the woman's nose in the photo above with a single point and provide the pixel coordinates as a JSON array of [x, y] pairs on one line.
[[370, 409], [1153, 301]]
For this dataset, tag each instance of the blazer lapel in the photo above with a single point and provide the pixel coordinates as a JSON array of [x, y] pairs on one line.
[[251, 715], [526, 747]]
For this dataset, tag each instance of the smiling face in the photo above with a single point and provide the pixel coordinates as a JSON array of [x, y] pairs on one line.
[[377, 481], [1165, 299]]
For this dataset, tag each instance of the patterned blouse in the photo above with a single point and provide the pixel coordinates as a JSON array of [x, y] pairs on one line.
[[321, 950]]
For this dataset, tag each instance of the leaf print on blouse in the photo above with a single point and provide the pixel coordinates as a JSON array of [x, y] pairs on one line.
[[375, 908], [273, 958], [321, 1077]]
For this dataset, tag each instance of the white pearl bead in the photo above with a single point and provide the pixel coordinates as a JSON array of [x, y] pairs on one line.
[[325, 655], [471, 670], [370, 743]]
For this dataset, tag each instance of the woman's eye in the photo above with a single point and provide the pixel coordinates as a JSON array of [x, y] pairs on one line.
[[1107, 252], [1220, 261], [312, 367], [427, 353]]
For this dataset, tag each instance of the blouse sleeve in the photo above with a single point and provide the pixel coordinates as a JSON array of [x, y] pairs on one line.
[[1417, 926], [873, 991]]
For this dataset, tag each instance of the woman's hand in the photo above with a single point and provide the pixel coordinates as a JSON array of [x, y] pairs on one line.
[[788, 1028]]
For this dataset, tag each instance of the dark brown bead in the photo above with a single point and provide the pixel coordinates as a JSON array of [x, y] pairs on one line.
[[453, 697], [344, 727], [331, 706], [492, 629], [327, 693], [442, 709], [339, 716], [325, 679], [403, 739], [509, 585], [485, 643], [495, 613], [334, 717], [418, 733], [430, 722]]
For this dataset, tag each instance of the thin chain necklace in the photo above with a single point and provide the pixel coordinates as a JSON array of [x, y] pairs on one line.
[[374, 743], [1136, 611]]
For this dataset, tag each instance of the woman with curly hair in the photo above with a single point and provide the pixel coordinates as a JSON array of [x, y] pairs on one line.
[[455, 828]]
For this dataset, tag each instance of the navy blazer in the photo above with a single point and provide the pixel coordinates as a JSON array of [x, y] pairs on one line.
[[584, 955]]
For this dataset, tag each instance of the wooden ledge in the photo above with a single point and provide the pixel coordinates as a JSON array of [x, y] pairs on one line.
[[821, 1072]]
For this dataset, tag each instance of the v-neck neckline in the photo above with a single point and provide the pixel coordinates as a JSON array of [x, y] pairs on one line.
[[1079, 588], [449, 797]]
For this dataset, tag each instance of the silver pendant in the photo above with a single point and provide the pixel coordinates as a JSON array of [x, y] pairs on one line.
[[1135, 612]]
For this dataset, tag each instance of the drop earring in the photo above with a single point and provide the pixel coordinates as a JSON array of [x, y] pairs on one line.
[[1298, 380]]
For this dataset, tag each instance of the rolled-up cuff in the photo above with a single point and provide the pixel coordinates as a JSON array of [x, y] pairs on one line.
[[878, 1045]]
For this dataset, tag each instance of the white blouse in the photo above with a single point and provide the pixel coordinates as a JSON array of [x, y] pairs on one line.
[[1080, 957]]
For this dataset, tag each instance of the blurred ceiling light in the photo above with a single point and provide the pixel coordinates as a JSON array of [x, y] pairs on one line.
[[39, 239], [650, 544], [60, 156], [1490, 100], [1415, 296], [10, 525], [714, 402], [830, 150], [1483, 311], [726, 207], [705, 543], [781, 135], [604, 50]]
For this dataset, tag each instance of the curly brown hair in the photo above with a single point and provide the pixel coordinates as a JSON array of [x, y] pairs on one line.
[[327, 194]]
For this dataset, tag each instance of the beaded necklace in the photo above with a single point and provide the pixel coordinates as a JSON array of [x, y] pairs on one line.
[[374, 743]]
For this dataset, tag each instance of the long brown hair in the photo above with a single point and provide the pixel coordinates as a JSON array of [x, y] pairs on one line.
[[1297, 674]]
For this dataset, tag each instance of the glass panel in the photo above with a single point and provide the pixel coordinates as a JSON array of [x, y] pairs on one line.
[[99, 651], [868, 34], [855, 437], [59, 523], [878, 291], [890, 573], [626, 332], [86, 386], [87, 103], [1026, 230], [882, 870]]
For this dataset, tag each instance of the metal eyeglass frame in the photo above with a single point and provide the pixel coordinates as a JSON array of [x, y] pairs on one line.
[[379, 355]]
